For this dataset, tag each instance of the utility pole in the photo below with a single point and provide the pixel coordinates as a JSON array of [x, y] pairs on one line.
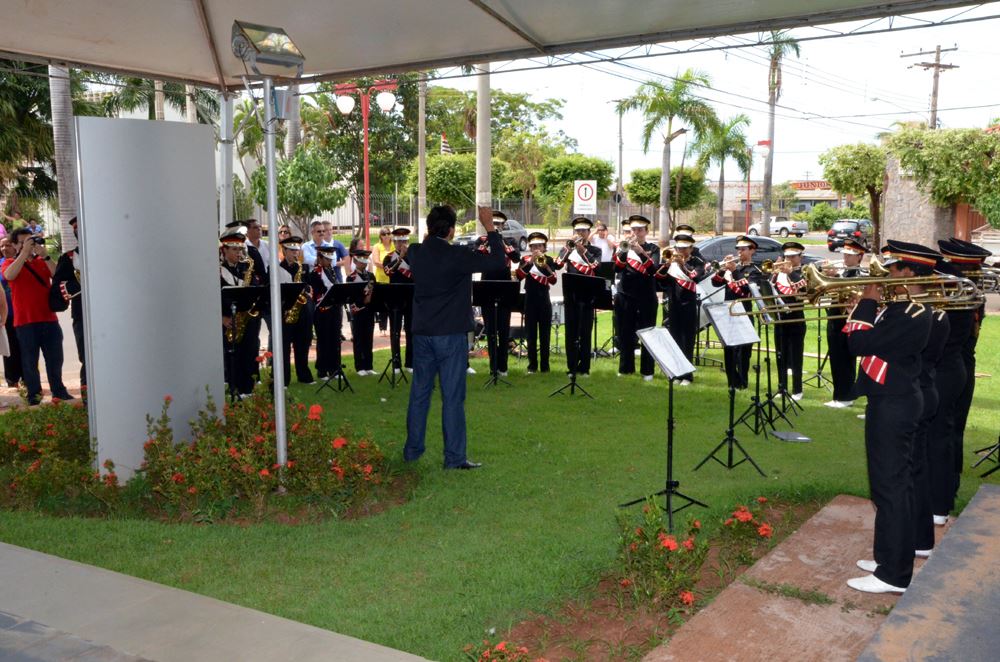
[[937, 67], [619, 190]]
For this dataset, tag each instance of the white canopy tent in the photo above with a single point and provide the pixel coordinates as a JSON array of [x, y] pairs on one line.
[[189, 40]]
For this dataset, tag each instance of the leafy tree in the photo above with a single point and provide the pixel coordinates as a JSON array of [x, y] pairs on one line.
[[556, 176], [307, 187], [661, 105], [857, 170], [451, 179], [525, 151], [128, 93], [953, 165], [784, 194], [720, 142], [644, 187], [782, 45]]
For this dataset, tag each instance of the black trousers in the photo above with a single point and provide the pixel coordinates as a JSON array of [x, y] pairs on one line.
[[538, 320], [737, 364], [683, 326], [950, 382], [889, 430], [962, 407], [401, 317], [634, 313], [497, 323], [329, 360], [299, 336], [363, 334], [78, 337], [581, 322], [790, 340], [12, 364], [921, 509], [240, 362], [843, 364]]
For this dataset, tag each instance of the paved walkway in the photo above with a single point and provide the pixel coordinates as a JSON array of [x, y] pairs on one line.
[[54, 609]]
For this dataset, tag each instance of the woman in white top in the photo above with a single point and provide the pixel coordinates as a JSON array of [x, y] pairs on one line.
[[606, 242]]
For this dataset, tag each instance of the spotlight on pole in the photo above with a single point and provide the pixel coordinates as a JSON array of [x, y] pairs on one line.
[[262, 44]]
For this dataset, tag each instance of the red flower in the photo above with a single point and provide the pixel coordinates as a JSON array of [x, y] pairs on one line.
[[765, 530], [111, 480], [268, 355], [633, 547], [233, 453], [168, 399], [55, 400], [290, 464], [689, 544], [728, 522], [687, 597], [177, 478], [368, 469], [762, 499], [295, 427], [192, 490], [338, 471], [264, 473], [638, 530], [339, 442], [743, 515], [696, 524], [261, 359], [258, 439], [315, 412], [300, 407], [502, 646], [626, 582], [668, 543]]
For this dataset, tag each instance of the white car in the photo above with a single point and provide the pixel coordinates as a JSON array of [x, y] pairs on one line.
[[782, 226]]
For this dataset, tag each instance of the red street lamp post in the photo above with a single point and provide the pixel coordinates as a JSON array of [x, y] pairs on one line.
[[345, 104], [764, 147]]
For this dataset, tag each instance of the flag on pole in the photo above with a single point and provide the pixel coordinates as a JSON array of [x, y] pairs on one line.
[[445, 147]]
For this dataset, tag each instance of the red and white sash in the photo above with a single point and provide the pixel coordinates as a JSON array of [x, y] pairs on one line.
[[681, 278]]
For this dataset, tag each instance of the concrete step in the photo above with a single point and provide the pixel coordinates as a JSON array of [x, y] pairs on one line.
[[951, 611]]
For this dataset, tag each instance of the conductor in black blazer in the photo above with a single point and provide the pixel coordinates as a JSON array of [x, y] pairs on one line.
[[442, 319]]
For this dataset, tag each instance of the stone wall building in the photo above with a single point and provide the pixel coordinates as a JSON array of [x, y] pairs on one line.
[[909, 215]]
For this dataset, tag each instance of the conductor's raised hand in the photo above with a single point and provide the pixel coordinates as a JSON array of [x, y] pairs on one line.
[[486, 218]]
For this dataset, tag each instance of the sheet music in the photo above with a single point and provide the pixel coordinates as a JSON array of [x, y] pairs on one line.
[[661, 345], [708, 294], [732, 330]]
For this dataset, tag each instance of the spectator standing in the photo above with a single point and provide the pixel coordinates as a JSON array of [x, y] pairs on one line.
[[11, 362], [606, 242], [66, 292], [30, 278]]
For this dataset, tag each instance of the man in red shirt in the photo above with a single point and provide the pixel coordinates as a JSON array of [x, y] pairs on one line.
[[30, 278]]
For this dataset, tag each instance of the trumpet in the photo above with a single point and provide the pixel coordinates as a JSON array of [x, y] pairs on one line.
[[771, 267], [541, 260], [718, 265]]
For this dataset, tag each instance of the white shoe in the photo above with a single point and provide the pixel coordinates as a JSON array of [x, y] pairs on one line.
[[502, 373], [923, 553], [647, 378], [837, 404], [861, 416], [638, 352], [940, 520], [620, 374], [470, 370], [684, 382], [409, 370], [846, 403], [872, 584], [866, 565], [797, 396], [397, 371]]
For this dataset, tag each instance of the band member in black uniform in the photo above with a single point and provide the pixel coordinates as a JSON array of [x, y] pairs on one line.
[[684, 228], [789, 337], [398, 270], [635, 305], [327, 320], [296, 328], [538, 271], [736, 274], [498, 321], [889, 344], [680, 275], [580, 258], [237, 271], [65, 291], [363, 317], [843, 364], [955, 381]]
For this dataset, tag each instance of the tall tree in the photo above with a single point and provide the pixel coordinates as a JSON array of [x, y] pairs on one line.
[[64, 142], [661, 105], [722, 141], [856, 170], [128, 93], [782, 46], [689, 186]]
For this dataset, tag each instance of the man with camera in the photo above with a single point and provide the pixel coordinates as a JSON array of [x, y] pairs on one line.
[[30, 278]]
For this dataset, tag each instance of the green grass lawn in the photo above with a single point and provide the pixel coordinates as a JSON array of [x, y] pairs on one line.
[[477, 550]]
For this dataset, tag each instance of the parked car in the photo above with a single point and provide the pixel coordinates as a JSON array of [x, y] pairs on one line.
[[513, 231], [782, 226], [716, 248], [861, 231]]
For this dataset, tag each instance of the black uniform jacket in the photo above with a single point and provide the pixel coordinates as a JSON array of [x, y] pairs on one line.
[[889, 344]]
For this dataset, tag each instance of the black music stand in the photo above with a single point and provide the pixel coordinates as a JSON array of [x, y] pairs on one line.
[[990, 452], [493, 294], [341, 294], [586, 292], [395, 297], [818, 379], [661, 345], [733, 331], [606, 270], [707, 294], [757, 409], [239, 299]]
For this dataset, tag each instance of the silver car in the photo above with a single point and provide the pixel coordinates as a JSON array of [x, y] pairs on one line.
[[513, 233]]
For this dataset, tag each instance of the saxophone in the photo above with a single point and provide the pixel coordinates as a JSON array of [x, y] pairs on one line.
[[234, 333], [292, 316]]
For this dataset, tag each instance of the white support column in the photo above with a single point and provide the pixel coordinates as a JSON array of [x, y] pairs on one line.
[[225, 160], [422, 159], [484, 191]]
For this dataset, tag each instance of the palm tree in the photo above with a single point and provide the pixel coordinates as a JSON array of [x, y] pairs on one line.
[[64, 141], [661, 105], [718, 143], [781, 46], [129, 93]]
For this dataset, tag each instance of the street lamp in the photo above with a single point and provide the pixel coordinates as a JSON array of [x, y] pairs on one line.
[[261, 44], [385, 100], [763, 147]]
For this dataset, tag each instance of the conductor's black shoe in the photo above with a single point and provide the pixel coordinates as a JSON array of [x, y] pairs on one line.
[[466, 465]]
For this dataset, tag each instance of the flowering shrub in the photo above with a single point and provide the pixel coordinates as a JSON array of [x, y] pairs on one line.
[[230, 464], [744, 531], [500, 652], [657, 565]]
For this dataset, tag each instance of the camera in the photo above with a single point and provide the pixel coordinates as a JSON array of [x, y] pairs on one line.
[[39, 240]]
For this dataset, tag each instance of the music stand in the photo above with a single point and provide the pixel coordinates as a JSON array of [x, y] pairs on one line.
[[821, 359], [990, 452], [586, 292], [605, 270], [662, 347], [733, 331], [395, 297], [239, 299], [341, 294], [757, 409], [707, 294], [493, 294]]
